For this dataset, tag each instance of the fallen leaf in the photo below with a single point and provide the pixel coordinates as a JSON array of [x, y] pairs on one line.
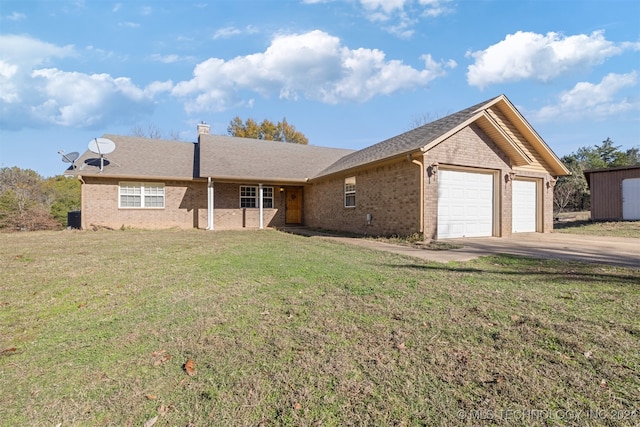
[[7, 351], [82, 304], [190, 367], [297, 406], [151, 421], [514, 317], [151, 397], [401, 346], [162, 410]]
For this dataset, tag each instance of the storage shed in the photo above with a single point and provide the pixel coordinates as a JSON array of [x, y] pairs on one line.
[[615, 193]]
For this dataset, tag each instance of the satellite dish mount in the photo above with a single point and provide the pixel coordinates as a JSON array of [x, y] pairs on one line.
[[69, 157], [101, 146]]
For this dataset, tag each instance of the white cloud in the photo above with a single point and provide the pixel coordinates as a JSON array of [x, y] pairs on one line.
[[228, 32], [526, 55], [593, 101], [34, 95], [81, 100], [15, 16], [399, 17], [129, 24], [313, 65]]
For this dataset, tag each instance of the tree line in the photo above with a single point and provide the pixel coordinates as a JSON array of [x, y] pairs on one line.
[[571, 193], [30, 202]]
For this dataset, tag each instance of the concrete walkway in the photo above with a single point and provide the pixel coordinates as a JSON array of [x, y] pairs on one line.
[[618, 251]]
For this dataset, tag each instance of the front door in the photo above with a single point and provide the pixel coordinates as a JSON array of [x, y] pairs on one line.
[[293, 207]]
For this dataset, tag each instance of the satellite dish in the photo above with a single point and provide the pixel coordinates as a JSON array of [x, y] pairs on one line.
[[101, 146], [69, 157]]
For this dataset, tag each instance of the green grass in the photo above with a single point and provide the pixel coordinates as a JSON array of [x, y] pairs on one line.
[[600, 228], [287, 330]]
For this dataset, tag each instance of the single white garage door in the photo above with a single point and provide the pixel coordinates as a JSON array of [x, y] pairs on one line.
[[631, 198], [465, 204], [523, 206]]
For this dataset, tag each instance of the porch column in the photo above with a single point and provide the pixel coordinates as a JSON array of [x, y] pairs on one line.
[[260, 191], [209, 204]]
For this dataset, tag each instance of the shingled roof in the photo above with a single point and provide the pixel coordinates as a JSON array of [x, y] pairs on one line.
[[136, 157], [229, 158], [405, 143]]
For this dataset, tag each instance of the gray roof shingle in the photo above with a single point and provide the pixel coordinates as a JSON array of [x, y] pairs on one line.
[[226, 157], [404, 143], [140, 157]]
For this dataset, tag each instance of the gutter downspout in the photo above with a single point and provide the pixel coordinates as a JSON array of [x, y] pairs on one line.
[[82, 199], [422, 201], [260, 191], [209, 204]]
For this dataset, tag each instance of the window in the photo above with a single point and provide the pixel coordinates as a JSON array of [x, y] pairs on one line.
[[350, 192], [249, 197], [141, 195]]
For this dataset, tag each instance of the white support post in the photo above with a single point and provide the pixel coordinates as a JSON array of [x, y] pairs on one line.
[[210, 195], [260, 191]]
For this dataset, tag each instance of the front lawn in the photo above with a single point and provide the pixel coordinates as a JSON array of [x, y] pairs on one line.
[[279, 329]]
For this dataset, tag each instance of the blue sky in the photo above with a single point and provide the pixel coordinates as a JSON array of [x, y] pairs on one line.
[[346, 73]]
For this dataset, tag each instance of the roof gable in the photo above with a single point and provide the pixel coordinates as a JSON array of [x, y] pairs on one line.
[[518, 146]]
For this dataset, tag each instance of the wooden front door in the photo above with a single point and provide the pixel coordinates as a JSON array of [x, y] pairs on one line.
[[293, 207]]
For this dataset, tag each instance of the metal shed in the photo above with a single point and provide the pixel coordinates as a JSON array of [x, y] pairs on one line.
[[615, 193]]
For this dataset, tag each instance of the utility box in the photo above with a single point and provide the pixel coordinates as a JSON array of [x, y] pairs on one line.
[[74, 219]]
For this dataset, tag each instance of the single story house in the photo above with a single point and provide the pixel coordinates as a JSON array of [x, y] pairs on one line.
[[483, 171], [615, 193]]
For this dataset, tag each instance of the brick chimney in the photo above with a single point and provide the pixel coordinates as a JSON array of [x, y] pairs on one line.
[[203, 129]]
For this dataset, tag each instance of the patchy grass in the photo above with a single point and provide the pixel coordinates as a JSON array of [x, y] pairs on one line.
[[600, 228], [95, 329]]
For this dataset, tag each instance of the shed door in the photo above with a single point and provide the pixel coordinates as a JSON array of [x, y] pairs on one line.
[[465, 204], [524, 206], [631, 198]]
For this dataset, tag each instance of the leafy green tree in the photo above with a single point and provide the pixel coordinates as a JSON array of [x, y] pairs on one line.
[[63, 193], [267, 130], [572, 192], [24, 205]]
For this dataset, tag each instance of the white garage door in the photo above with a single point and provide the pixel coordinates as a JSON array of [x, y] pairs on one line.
[[523, 206], [631, 198], [465, 204]]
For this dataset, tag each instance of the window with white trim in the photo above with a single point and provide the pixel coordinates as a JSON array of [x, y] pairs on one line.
[[250, 195], [350, 192], [141, 195]]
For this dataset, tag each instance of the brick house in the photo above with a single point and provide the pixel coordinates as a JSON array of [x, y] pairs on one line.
[[482, 171]]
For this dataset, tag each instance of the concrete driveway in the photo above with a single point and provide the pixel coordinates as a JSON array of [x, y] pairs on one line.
[[618, 251]]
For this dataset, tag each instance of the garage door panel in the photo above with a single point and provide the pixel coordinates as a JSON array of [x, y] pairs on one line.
[[465, 204], [524, 206]]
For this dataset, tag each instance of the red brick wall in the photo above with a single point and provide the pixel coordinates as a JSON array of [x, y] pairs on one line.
[[390, 193], [185, 207], [185, 203]]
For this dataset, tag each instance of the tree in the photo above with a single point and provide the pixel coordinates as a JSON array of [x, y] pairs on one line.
[[572, 192], [23, 203], [267, 130], [153, 132], [63, 193]]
